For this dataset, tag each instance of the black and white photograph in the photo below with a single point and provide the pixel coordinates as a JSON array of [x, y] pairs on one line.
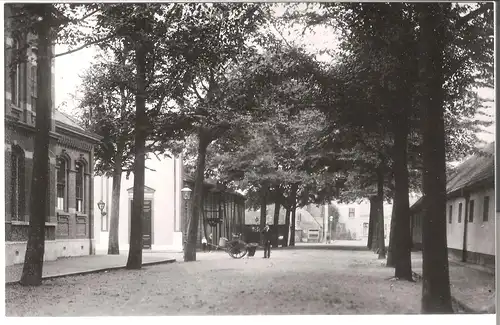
[[249, 158]]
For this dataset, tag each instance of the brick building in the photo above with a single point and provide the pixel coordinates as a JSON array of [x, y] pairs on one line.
[[70, 215]]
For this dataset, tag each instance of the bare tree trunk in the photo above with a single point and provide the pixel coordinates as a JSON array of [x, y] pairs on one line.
[[293, 202], [287, 227], [380, 212], [114, 222], [375, 233], [371, 223], [390, 259], [263, 210], [276, 221], [402, 227], [190, 247], [141, 126], [33, 261], [436, 295]]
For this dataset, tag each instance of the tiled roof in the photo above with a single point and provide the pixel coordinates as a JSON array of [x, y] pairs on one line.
[[477, 168], [66, 119]]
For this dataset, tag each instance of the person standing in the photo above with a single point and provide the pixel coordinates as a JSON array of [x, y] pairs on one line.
[[267, 241], [211, 239], [204, 244]]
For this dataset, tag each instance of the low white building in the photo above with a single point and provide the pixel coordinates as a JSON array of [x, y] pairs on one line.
[[470, 211], [354, 219], [162, 207]]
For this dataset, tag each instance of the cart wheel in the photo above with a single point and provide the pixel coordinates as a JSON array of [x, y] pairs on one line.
[[238, 252]]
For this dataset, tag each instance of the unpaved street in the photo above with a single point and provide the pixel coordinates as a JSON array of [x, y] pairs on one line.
[[291, 282]]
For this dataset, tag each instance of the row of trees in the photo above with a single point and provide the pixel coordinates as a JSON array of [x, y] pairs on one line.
[[262, 114]]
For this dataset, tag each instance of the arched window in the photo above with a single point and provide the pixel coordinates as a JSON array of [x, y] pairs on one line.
[[33, 86], [17, 184], [61, 166], [15, 75], [80, 186]]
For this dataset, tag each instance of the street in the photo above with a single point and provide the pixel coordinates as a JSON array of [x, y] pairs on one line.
[[291, 282]]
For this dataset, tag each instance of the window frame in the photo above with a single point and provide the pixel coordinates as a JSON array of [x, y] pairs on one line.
[[353, 211], [80, 165], [460, 206], [486, 208], [33, 86], [471, 211], [17, 184], [450, 213], [366, 226], [15, 75], [64, 183]]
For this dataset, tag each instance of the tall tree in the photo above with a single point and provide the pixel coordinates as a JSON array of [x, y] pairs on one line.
[[159, 75], [436, 295], [35, 248], [221, 32], [41, 25], [447, 76], [108, 111]]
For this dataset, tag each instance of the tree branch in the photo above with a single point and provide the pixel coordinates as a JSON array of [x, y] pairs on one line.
[[85, 45], [196, 92], [471, 15]]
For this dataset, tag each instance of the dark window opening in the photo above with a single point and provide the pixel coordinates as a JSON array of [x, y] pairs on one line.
[[486, 208], [471, 211], [61, 184], [79, 188], [17, 184], [459, 212]]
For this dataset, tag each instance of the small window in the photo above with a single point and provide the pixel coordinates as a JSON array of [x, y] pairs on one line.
[[61, 184], [460, 212], [471, 211], [79, 188], [33, 85], [15, 76], [365, 229], [351, 212], [486, 208], [450, 213], [17, 184]]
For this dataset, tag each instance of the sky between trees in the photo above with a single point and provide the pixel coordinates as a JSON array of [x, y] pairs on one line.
[[68, 69]]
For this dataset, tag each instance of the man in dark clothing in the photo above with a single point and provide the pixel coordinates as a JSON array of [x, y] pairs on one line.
[[267, 241]]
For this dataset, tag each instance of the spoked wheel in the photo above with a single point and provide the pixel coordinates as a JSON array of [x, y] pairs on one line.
[[238, 250]]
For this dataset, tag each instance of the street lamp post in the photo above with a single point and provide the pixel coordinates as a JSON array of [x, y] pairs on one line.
[[101, 206]]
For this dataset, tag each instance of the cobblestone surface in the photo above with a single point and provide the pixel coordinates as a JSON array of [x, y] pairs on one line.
[[291, 282]]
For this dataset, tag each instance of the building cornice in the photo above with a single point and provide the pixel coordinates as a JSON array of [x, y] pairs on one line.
[[29, 129], [73, 131]]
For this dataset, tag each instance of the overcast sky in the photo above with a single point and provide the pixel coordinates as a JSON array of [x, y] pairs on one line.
[[69, 67]]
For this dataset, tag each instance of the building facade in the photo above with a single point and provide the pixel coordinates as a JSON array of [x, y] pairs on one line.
[[69, 216], [470, 211], [222, 213], [162, 224], [353, 223], [166, 212]]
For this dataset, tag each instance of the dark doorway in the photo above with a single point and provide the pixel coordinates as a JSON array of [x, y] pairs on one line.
[[146, 225], [147, 239]]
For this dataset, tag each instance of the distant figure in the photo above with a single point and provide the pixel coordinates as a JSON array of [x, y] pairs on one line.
[[204, 244], [328, 239], [211, 239], [267, 241]]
